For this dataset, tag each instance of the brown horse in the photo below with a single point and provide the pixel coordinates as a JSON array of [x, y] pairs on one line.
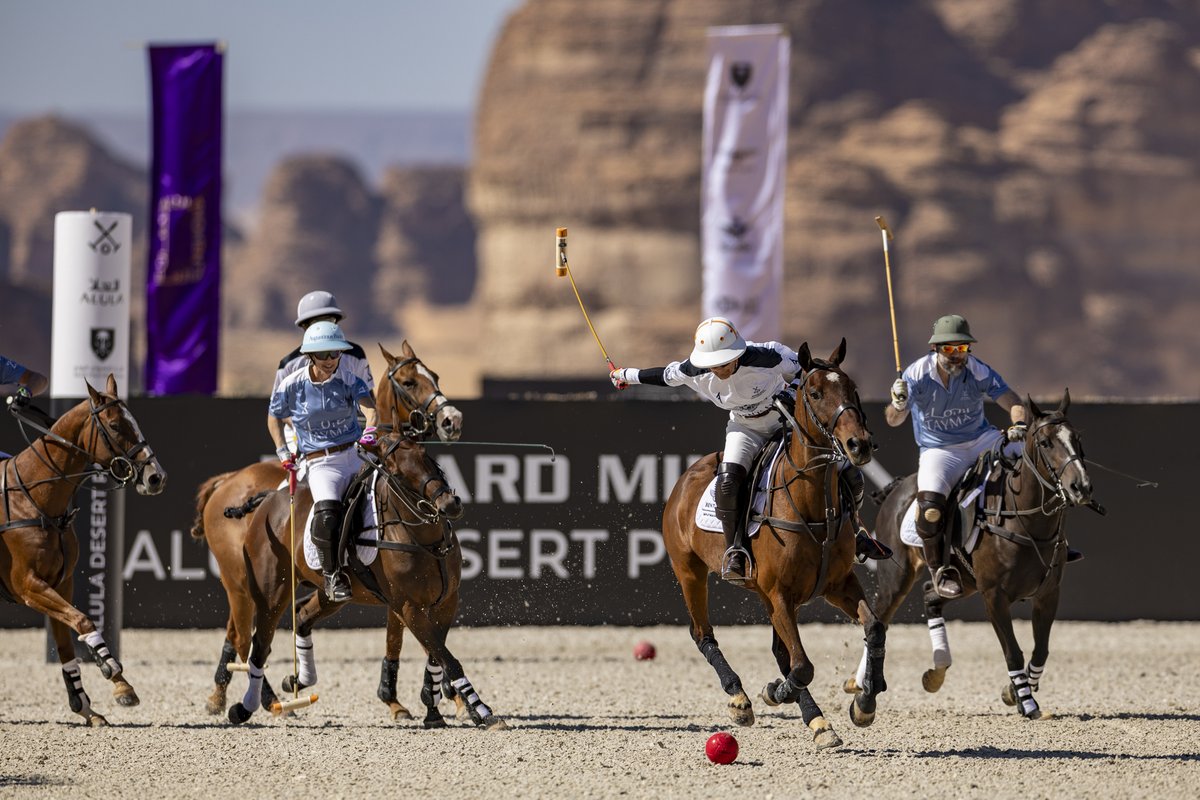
[[38, 547], [409, 398], [804, 549], [1021, 557], [416, 574]]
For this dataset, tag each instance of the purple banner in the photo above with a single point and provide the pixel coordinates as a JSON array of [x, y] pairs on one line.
[[183, 277]]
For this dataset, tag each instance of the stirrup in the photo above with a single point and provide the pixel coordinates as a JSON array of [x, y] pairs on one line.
[[944, 574], [868, 547], [727, 572], [337, 587]]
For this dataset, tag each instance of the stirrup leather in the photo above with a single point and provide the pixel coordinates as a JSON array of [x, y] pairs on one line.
[[727, 573]]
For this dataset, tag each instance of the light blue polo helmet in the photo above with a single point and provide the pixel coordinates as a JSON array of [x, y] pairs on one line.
[[322, 336]]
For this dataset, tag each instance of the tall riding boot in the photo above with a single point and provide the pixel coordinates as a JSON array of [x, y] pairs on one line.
[[735, 563], [930, 527], [865, 545], [327, 525]]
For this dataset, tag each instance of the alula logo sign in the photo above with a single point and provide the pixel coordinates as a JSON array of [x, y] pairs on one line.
[[103, 293]]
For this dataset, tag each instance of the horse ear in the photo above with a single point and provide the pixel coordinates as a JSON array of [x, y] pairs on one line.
[[804, 357], [111, 387], [408, 351], [838, 354], [1033, 407], [1066, 402], [391, 359], [92, 393]]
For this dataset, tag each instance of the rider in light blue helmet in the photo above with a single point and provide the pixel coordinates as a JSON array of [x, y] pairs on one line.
[[322, 398]]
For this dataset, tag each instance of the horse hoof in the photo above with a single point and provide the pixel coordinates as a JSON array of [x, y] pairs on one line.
[[824, 736], [851, 686], [1008, 695], [741, 710], [399, 712], [430, 724], [933, 679], [767, 695], [293, 684], [97, 721], [494, 723], [128, 699], [238, 714], [860, 717], [216, 703]]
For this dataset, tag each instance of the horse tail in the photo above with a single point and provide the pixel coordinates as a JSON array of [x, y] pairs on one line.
[[237, 512], [879, 495], [202, 497]]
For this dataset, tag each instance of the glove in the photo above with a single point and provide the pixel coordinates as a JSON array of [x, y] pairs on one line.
[[899, 394], [619, 378], [21, 398], [368, 438], [1016, 432], [285, 457]]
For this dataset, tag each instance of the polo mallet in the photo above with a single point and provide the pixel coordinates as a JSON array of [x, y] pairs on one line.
[[561, 268], [887, 264], [279, 707]]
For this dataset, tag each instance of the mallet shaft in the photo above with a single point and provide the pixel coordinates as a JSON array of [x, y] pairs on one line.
[[887, 263], [563, 268]]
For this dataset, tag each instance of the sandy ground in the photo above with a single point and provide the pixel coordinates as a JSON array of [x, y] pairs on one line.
[[587, 720]]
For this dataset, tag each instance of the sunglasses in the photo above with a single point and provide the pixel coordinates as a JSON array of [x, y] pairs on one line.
[[950, 349], [328, 355]]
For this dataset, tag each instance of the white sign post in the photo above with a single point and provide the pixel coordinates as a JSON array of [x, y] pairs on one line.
[[89, 340]]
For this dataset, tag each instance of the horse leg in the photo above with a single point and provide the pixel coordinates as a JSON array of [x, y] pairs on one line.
[[933, 679], [265, 622], [848, 595], [1000, 615], [76, 696], [391, 665], [431, 630], [217, 700], [310, 610], [1045, 609], [693, 578]]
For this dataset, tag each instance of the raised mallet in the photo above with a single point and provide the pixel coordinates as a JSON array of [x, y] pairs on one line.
[[561, 268], [887, 265]]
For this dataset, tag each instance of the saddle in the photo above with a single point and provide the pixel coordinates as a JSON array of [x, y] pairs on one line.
[[979, 489]]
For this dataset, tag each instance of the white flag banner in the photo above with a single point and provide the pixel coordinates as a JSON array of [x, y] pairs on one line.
[[744, 170]]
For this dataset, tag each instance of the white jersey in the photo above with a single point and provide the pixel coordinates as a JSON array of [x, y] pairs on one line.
[[763, 371]]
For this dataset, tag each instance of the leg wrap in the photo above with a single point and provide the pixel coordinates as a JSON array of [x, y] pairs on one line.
[[431, 690], [223, 675], [1035, 675], [730, 682], [1025, 701], [252, 700], [874, 649], [307, 672], [809, 710], [477, 708], [76, 696], [109, 666], [387, 680]]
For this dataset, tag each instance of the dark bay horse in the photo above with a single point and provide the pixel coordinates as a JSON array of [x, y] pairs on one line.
[[416, 574], [1020, 556], [38, 546], [804, 549], [407, 398]]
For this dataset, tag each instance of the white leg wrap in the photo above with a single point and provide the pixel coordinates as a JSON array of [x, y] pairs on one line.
[[75, 691], [1020, 682], [435, 676], [1035, 675], [941, 645], [860, 677], [252, 700], [307, 660], [468, 693]]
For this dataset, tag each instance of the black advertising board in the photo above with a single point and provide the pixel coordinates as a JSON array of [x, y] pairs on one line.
[[575, 539]]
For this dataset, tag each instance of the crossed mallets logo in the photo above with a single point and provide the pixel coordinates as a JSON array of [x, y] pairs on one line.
[[105, 244]]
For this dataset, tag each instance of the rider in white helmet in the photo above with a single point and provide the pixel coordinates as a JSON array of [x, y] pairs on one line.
[[743, 378], [319, 306], [322, 399]]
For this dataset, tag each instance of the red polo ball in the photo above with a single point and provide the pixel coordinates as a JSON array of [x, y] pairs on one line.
[[644, 651], [721, 748]]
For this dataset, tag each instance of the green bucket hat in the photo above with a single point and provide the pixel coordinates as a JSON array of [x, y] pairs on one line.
[[951, 328]]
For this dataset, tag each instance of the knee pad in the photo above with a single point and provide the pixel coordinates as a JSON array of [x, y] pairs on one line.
[[930, 513], [327, 519], [730, 477]]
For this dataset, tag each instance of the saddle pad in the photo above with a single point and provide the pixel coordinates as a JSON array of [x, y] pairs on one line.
[[968, 514], [366, 553], [706, 509]]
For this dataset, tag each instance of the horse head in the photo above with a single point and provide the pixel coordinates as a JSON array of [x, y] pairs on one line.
[[407, 461], [826, 392], [409, 395], [1054, 449], [116, 443]]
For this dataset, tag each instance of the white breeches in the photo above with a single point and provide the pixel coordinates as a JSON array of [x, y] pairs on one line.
[[745, 437], [941, 467], [329, 475]]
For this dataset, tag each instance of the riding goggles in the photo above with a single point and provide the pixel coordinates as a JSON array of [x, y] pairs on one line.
[[951, 349], [328, 355]]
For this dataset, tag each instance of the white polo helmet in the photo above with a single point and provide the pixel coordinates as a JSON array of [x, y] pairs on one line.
[[317, 304], [322, 336], [717, 343]]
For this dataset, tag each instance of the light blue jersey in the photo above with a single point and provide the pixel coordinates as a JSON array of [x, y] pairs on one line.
[[943, 415], [323, 414], [10, 371]]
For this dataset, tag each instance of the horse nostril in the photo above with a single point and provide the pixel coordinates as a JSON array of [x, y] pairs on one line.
[[854, 444]]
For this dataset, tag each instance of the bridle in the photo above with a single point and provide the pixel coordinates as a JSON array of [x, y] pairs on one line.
[[421, 416], [1050, 477], [834, 453]]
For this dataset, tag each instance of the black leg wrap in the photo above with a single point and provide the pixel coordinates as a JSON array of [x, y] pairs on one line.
[[875, 642], [730, 682], [802, 676], [76, 696], [269, 698], [387, 681], [809, 710], [431, 691], [223, 675]]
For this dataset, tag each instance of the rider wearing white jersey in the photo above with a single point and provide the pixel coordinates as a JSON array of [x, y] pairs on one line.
[[742, 378]]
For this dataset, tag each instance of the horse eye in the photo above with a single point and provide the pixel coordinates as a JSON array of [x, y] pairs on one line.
[[1045, 443], [815, 394], [410, 384]]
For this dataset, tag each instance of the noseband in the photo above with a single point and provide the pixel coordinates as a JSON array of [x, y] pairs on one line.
[[421, 416]]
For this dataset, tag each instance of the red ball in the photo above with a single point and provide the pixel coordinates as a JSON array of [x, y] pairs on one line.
[[644, 651], [721, 748]]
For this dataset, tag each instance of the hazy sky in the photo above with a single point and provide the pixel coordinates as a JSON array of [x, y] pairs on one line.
[[70, 56]]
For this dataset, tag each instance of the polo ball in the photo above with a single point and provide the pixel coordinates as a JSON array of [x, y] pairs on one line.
[[721, 748], [644, 651]]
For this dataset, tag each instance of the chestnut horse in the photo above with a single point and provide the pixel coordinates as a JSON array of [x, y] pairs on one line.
[[38, 546], [408, 397], [804, 549], [1020, 556], [417, 572]]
